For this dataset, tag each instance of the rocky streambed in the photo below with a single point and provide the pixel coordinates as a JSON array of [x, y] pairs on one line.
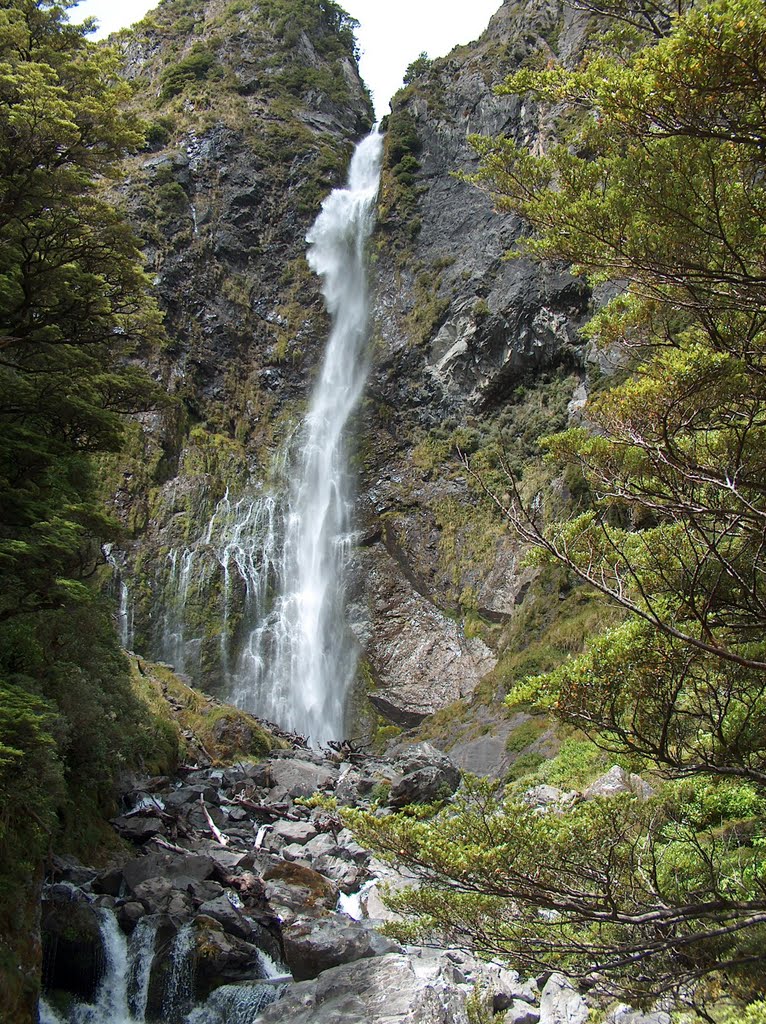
[[242, 898]]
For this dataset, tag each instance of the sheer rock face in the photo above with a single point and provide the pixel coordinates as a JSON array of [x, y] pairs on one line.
[[242, 151], [457, 330]]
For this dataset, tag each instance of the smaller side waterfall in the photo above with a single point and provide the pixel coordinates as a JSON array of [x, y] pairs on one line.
[[179, 988]]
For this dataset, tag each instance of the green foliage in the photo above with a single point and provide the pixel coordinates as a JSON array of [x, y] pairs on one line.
[[74, 302], [419, 67], [199, 65]]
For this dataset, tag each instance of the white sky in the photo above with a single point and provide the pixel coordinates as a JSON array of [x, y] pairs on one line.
[[392, 33]]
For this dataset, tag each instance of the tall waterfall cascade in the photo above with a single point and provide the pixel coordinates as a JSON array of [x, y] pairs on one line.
[[315, 662], [281, 554]]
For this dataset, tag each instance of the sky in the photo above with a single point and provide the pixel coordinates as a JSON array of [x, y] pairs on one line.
[[392, 33]]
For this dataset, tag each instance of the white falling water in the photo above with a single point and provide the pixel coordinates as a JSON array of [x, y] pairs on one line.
[[278, 557], [314, 659], [123, 990]]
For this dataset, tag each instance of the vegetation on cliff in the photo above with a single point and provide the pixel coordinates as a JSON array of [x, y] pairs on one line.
[[659, 184]]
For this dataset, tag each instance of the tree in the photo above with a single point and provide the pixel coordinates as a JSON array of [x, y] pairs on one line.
[[74, 304], [659, 185], [74, 300]]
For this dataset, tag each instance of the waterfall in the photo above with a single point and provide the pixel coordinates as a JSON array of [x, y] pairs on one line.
[[179, 987], [314, 659], [271, 563], [123, 990]]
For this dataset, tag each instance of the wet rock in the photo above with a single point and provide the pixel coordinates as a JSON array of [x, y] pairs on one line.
[[129, 914], [314, 944], [109, 882], [222, 958], [72, 945], [228, 916]]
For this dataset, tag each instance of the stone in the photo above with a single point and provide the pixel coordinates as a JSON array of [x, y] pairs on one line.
[[624, 1014], [424, 755], [228, 916], [129, 914], [185, 796], [546, 797], [617, 782], [347, 875], [389, 989], [424, 786], [172, 866], [520, 1012], [293, 887], [72, 945], [69, 869], [301, 778], [222, 958], [313, 944], [136, 828], [288, 832], [560, 1003], [109, 882]]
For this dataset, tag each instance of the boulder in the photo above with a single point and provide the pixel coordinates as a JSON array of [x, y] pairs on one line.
[[72, 945], [172, 866], [390, 989], [222, 958], [623, 1014], [424, 786], [520, 1012], [137, 828], [296, 888], [560, 1003], [617, 782], [424, 755], [545, 798], [346, 874], [313, 944], [285, 833], [228, 916], [301, 778]]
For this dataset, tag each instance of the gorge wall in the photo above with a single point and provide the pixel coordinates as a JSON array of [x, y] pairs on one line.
[[254, 109]]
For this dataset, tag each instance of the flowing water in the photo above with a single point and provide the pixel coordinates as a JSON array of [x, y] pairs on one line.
[[123, 992], [281, 555]]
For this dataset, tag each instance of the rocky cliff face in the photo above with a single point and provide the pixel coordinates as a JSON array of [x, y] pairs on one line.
[[253, 111], [471, 349]]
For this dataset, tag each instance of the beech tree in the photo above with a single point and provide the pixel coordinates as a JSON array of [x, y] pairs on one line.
[[659, 185]]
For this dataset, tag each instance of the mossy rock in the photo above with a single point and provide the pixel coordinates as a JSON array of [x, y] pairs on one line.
[[197, 722]]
